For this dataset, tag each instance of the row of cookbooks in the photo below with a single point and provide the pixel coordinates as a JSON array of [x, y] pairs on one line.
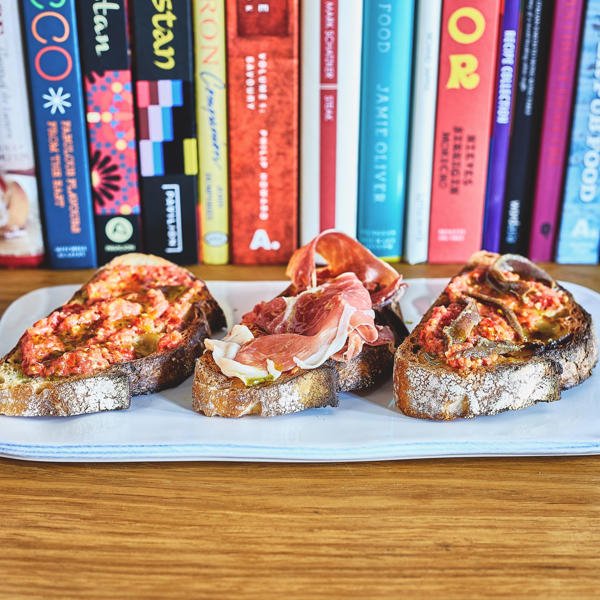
[[234, 130]]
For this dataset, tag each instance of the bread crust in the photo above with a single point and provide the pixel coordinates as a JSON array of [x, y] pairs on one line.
[[112, 388], [436, 391]]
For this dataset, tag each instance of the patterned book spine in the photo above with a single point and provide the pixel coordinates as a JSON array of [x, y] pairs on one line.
[[527, 120], [555, 127], [420, 162], [579, 234], [503, 112], [211, 109], [104, 38], [166, 120], [468, 51], [21, 243], [263, 80], [384, 121], [328, 112], [60, 132], [310, 142]]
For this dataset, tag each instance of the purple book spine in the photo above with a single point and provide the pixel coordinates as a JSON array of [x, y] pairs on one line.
[[555, 127], [503, 111]]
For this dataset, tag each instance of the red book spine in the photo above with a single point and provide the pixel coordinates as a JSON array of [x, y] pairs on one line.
[[468, 50], [328, 122], [263, 85], [555, 128]]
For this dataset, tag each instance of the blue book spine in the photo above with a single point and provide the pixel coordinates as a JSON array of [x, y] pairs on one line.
[[60, 132], [579, 234], [503, 113], [384, 125]]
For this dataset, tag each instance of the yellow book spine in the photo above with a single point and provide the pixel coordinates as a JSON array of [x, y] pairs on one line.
[[211, 108]]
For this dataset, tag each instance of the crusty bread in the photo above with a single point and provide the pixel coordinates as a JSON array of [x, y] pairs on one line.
[[430, 389], [215, 394], [112, 388]]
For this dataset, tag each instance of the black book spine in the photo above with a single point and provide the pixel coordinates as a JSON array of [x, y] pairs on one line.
[[534, 49], [166, 126]]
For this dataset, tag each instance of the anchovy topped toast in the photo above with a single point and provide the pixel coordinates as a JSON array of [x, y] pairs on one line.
[[503, 335], [135, 327]]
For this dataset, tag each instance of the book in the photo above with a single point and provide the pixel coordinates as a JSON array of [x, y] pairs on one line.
[[21, 243], [579, 232], [63, 168], [384, 125], [466, 82], [211, 111], [104, 41], [534, 48], [166, 127], [562, 66], [503, 114], [424, 97], [310, 117], [263, 90]]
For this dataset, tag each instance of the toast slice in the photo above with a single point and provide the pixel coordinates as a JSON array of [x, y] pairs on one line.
[[49, 392], [299, 387], [527, 366]]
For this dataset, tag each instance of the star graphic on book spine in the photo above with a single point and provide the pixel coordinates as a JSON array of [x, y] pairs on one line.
[[57, 100]]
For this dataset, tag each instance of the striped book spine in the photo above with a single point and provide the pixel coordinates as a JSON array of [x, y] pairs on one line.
[[579, 233], [104, 37], [166, 127], [384, 124], [60, 132], [211, 110], [420, 162], [555, 127]]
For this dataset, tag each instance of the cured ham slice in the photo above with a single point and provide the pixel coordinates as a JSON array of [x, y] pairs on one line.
[[343, 254]]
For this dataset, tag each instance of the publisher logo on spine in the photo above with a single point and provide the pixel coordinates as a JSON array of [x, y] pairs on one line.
[[173, 218], [118, 230]]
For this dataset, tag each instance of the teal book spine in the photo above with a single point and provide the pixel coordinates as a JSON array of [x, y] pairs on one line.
[[384, 124]]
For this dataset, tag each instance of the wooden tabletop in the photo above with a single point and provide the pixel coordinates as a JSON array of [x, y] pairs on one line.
[[444, 529]]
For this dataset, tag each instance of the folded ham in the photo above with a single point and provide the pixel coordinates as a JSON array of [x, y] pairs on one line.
[[330, 315]]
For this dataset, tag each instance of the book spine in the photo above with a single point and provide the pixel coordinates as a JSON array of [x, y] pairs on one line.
[[503, 113], [21, 242], [104, 41], [211, 109], [555, 127], [60, 132], [534, 48], [579, 233], [348, 115], [420, 163], [328, 108], [384, 124], [263, 80], [310, 136], [468, 51], [166, 127]]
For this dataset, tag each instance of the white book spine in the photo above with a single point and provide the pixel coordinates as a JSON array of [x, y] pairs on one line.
[[310, 121], [420, 162], [348, 114]]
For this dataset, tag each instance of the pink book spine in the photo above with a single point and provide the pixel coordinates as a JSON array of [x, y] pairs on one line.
[[328, 108], [555, 128]]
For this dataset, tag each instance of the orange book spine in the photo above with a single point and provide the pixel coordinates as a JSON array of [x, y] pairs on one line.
[[468, 50], [263, 88]]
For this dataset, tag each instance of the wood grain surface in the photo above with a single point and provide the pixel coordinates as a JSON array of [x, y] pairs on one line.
[[454, 528]]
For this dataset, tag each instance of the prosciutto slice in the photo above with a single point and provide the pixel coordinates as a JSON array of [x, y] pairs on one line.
[[343, 254]]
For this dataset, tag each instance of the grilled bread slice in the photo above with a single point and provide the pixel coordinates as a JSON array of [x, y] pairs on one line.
[[523, 371], [111, 388], [215, 394]]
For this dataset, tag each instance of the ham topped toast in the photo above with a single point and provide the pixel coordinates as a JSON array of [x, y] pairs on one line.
[[135, 327], [333, 329], [502, 335]]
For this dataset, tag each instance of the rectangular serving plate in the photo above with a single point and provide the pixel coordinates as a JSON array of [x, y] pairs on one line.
[[365, 426]]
